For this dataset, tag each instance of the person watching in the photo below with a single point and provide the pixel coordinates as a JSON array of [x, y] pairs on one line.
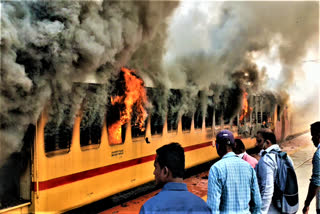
[[240, 151], [174, 196], [232, 182], [314, 186]]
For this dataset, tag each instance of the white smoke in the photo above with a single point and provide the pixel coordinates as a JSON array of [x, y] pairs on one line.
[[225, 37]]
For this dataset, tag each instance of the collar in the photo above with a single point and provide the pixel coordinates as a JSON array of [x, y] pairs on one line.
[[175, 186], [241, 155], [229, 154], [319, 146], [260, 153], [274, 146]]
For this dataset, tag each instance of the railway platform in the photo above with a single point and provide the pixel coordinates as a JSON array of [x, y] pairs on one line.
[[300, 149]]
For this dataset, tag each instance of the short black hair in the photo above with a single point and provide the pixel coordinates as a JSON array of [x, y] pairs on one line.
[[315, 127], [269, 136], [172, 156], [263, 130], [239, 146]]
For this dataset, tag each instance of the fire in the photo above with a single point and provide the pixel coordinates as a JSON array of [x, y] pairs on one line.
[[135, 93], [245, 105]]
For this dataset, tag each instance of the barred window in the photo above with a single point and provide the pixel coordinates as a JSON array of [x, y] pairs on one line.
[[209, 114], [58, 136], [186, 120], [173, 110]]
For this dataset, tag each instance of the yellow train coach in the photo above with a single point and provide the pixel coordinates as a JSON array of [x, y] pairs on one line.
[[76, 165]]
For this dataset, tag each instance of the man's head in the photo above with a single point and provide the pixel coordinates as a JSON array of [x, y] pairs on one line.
[[169, 163], [224, 142], [269, 139], [238, 146], [259, 138], [315, 133]]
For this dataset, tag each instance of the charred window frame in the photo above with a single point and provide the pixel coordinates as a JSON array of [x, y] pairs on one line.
[[58, 136], [136, 130], [209, 114], [218, 113], [173, 110], [156, 123], [259, 117], [186, 121], [93, 115], [235, 121], [198, 117], [91, 133], [265, 116], [157, 116], [278, 112], [112, 117]]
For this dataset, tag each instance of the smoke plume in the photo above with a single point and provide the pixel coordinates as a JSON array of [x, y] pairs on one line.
[[46, 46], [223, 39]]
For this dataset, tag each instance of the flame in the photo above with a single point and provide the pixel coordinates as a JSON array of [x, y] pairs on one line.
[[245, 106], [135, 93]]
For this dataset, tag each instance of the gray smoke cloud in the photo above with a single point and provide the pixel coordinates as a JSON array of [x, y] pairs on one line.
[[215, 43], [46, 46]]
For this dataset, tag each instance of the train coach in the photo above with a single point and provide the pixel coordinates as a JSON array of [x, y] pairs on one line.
[[80, 164]]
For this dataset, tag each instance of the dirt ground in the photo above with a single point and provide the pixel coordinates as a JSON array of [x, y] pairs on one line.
[[291, 144]]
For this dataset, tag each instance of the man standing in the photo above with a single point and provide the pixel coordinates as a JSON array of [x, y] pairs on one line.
[[174, 196], [240, 151], [314, 185], [266, 170], [258, 149], [232, 182]]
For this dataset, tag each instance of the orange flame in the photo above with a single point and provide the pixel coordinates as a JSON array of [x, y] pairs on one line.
[[245, 106], [135, 93]]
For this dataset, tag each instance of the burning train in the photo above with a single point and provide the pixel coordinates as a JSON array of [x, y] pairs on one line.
[[111, 149], [66, 143]]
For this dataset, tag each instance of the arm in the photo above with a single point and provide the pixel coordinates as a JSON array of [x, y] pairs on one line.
[[311, 193], [214, 190], [255, 203], [314, 185], [265, 175]]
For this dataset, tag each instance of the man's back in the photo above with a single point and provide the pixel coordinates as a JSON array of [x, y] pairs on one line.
[[251, 160], [232, 184], [175, 198]]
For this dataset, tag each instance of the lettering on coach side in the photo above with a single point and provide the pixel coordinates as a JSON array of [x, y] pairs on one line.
[[117, 152]]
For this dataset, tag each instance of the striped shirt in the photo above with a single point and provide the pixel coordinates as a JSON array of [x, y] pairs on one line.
[[232, 185]]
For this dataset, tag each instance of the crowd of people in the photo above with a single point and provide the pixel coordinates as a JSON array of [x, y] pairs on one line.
[[237, 183]]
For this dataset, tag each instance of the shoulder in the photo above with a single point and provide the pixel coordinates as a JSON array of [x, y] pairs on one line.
[[196, 202], [267, 160], [251, 159], [316, 156], [152, 201]]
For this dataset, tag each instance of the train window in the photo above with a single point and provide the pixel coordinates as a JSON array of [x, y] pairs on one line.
[[278, 112], [93, 114], [115, 127], [235, 121], [209, 114], [198, 118], [217, 117], [156, 123], [173, 108], [57, 136], [136, 130], [186, 120], [265, 116], [90, 131]]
